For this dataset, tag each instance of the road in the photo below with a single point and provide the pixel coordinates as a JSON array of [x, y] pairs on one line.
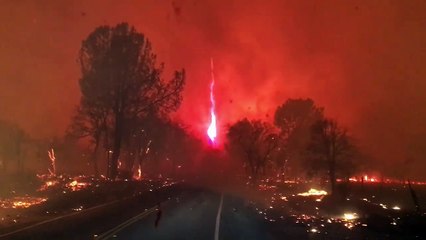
[[183, 211], [186, 213], [196, 215]]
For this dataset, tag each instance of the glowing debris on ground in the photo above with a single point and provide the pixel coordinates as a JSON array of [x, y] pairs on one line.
[[48, 184], [76, 185], [21, 202], [313, 192], [349, 216]]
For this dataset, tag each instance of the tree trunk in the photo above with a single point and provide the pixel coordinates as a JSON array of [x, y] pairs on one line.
[[108, 155], [19, 163], [19, 155], [173, 173], [95, 158], [117, 146], [332, 176], [2, 164]]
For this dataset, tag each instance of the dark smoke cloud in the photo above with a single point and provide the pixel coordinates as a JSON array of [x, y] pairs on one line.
[[362, 60]]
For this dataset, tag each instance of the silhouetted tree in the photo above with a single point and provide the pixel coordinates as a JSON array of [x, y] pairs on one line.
[[90, 120], [181, 147], [120, 77], [294, 118], [12, 139], [156, 141], [253, 142], [330, 149], [143, 138]]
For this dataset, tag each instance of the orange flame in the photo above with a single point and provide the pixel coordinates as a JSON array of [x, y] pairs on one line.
[[212, 131], [139, 176], [52, 158], [21, 202]]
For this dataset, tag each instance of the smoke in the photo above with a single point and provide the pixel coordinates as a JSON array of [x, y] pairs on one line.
[[361, 60]]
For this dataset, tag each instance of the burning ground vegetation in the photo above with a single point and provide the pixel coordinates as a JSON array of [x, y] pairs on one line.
[[369, 210], [48, 196]]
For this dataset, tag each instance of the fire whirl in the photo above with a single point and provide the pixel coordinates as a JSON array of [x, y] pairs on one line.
[[212, 131]]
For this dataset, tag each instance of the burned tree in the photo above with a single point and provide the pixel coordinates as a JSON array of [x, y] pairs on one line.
[[330, 149], [90, 120], [120, 77], [294, 118], [12, 139], [253, 142], [295, 114]]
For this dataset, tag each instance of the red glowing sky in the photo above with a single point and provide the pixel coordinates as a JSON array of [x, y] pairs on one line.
[[362, 60]]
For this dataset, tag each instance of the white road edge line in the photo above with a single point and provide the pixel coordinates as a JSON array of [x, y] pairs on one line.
[[58, 218], [219, 212]]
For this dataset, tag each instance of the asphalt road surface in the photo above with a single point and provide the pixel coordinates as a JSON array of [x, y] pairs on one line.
[[200, 214], [178, 212]]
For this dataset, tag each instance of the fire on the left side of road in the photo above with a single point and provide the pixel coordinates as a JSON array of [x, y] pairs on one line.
[[21, 202], [47, 184], [138, 175], [71, 183], [76, 185], [350, 216], [313, 192]]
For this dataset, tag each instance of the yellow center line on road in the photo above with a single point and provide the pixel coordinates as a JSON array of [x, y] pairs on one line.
[[111, 232]]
